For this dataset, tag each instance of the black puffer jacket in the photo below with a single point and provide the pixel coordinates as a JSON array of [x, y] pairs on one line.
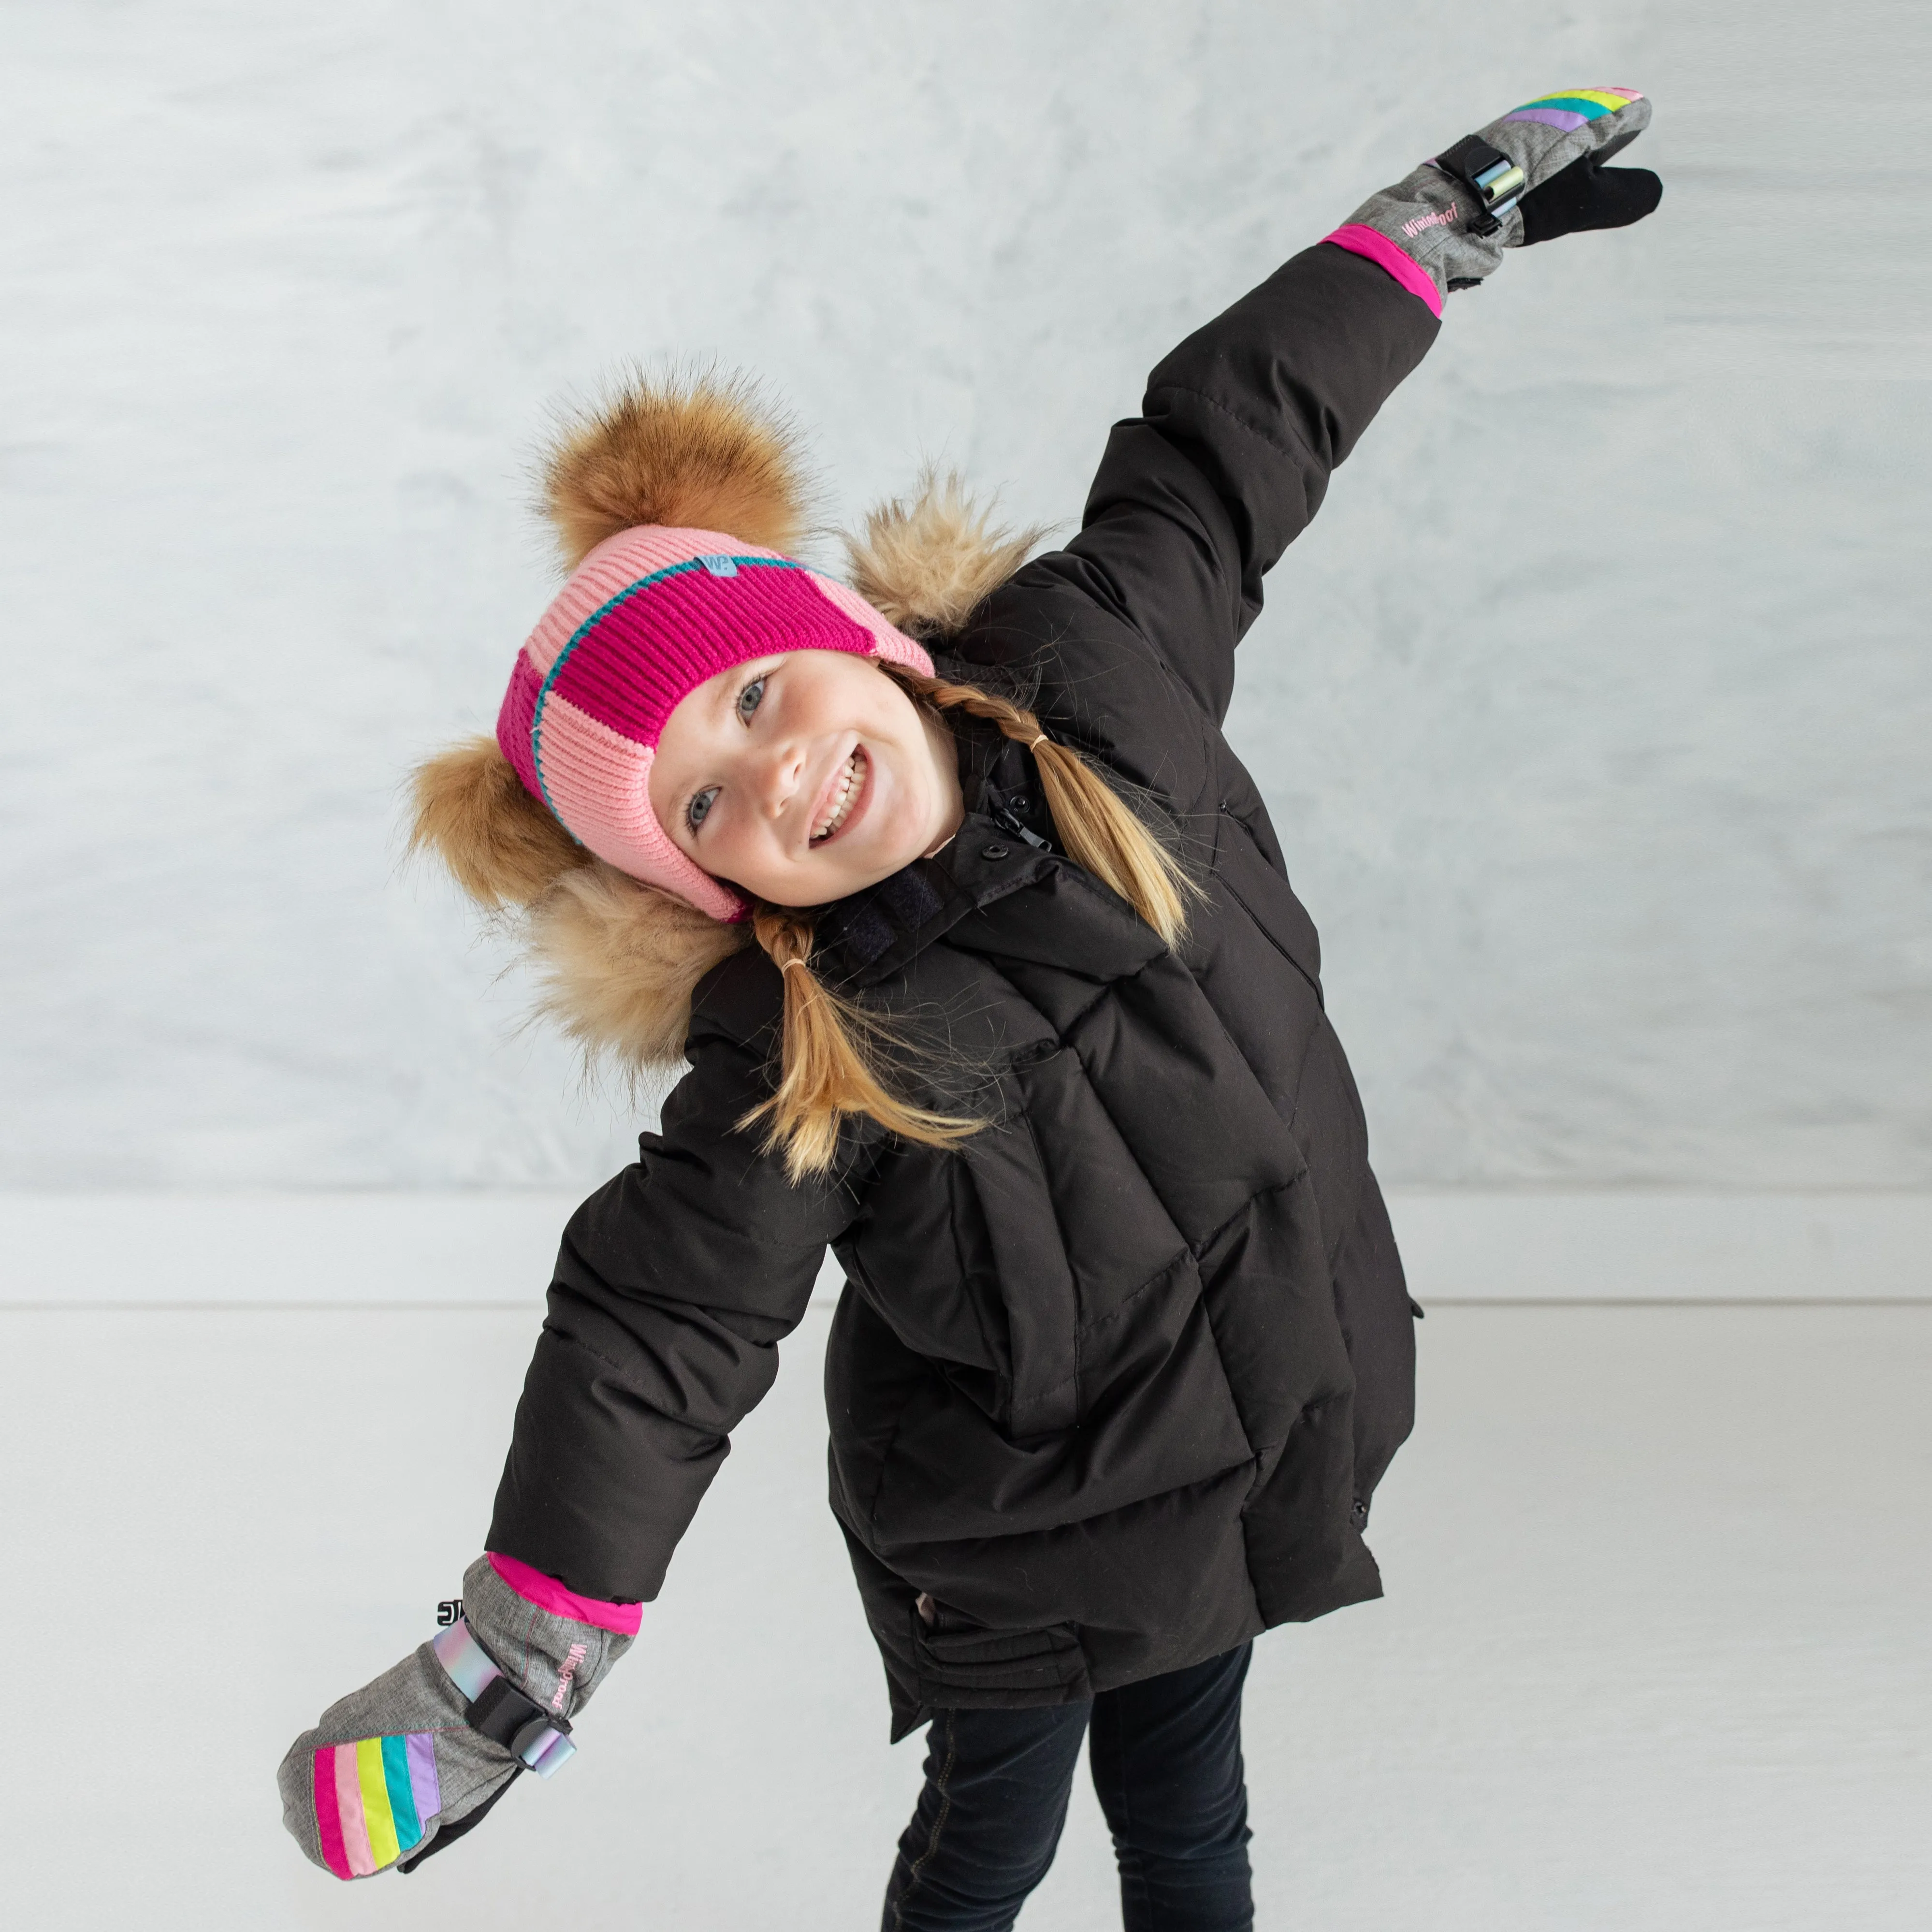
[[1115, 1381]]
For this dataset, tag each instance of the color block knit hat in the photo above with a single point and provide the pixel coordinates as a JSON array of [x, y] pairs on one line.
[[649, 615], [674, 502]]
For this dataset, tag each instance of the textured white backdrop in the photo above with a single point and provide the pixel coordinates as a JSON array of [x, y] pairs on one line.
[[1594, 710]]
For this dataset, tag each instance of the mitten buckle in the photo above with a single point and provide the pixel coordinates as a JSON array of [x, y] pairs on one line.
[[495, 1707], [521, 1726], [1489, 175]]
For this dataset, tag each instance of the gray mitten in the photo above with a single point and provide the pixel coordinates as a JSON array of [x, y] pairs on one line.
[[1535, 174], [414, 1759]]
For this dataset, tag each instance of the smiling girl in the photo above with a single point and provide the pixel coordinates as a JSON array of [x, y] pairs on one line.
[[803, 780], [977, 949]]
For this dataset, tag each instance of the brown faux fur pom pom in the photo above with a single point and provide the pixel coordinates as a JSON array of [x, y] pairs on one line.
[[927, 559], [472, 811], [694, 451]]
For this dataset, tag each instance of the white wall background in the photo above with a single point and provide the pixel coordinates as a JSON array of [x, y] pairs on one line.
[[1594, 710]]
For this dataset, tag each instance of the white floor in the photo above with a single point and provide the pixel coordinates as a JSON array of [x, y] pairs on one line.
[[1655, 1654]]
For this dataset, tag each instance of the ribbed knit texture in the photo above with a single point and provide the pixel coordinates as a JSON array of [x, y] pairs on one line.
[[652, 645], [649, 615]]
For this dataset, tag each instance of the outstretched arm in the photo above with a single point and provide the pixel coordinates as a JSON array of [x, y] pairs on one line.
[[675, 1286], [1242, 424]]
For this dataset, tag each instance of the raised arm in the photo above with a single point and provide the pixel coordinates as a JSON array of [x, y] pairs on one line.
[[1230, 458], [1242, 424]]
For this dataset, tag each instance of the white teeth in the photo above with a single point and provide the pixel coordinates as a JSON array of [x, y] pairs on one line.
[[848, 791]]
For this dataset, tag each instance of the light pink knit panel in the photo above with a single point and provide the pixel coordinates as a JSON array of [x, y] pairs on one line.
[[600, 785], [894, 646]]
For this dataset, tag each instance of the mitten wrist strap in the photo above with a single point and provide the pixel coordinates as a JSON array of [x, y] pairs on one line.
[[496, 1709], [1489, 175]]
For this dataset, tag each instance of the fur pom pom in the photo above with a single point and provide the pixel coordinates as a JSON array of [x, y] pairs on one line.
[[619, 962], [927, 559], [698, 451], [472, 811]]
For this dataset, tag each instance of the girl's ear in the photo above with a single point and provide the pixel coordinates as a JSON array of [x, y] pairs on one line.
[[472, 811]]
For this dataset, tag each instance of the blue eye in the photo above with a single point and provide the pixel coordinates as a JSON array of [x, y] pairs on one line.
[[696, 812], [750, 698]]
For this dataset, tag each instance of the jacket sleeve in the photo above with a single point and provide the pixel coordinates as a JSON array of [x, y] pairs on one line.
[[675, 1284], [1229, 461]]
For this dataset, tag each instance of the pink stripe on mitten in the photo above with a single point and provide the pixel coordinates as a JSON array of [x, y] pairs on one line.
[[548, 1594], [348, 1805], [328, 1814]]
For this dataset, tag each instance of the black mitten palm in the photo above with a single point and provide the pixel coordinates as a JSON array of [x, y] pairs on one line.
[[1587, 194]]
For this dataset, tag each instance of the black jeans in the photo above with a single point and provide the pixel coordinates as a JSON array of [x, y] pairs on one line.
[[1166, 1758]]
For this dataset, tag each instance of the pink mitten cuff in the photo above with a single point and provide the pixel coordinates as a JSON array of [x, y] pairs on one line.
[[548, 1594]]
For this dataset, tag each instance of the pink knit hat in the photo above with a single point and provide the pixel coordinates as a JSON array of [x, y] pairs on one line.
[[645, 618]]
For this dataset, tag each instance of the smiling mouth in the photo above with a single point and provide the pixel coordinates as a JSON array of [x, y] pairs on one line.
[[851, 783]]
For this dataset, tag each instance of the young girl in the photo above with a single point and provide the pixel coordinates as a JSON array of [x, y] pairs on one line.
[[980, 947]]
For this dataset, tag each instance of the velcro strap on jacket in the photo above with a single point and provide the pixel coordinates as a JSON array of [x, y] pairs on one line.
[[496, 1709], [1489, 175]]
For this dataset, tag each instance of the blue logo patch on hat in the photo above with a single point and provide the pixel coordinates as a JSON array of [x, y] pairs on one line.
[[719, 566]]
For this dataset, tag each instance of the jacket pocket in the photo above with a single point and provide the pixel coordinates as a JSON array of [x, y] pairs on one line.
[[962, 1665]]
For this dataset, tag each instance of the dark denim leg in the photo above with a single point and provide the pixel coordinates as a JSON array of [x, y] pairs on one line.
[[987, 1823], [1166, 1758]]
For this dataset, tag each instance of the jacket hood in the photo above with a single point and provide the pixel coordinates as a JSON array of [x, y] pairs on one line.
[[618, 961]]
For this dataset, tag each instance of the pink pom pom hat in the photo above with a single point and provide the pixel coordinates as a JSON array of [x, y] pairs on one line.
[[649, 615]]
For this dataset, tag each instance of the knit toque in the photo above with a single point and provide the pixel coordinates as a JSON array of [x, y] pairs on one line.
[[649, 615]]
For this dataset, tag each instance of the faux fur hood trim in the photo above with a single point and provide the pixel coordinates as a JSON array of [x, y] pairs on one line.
[[617, 962], [926, 560]]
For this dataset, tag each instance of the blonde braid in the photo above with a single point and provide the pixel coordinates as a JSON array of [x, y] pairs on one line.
[[827, 1071], [1095, 824]]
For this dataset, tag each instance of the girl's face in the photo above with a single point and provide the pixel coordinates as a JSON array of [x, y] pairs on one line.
[[804, 776]]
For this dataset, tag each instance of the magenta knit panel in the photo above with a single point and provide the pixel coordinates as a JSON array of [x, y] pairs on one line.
[[654, 647], [513, 721]]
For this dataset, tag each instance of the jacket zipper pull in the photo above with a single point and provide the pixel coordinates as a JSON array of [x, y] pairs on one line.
[[1006, 822]]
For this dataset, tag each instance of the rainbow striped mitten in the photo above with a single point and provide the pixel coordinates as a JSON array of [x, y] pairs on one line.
[[1536, 174], [415, 1759]]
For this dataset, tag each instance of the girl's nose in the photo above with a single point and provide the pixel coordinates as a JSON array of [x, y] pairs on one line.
[[779, 781]]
